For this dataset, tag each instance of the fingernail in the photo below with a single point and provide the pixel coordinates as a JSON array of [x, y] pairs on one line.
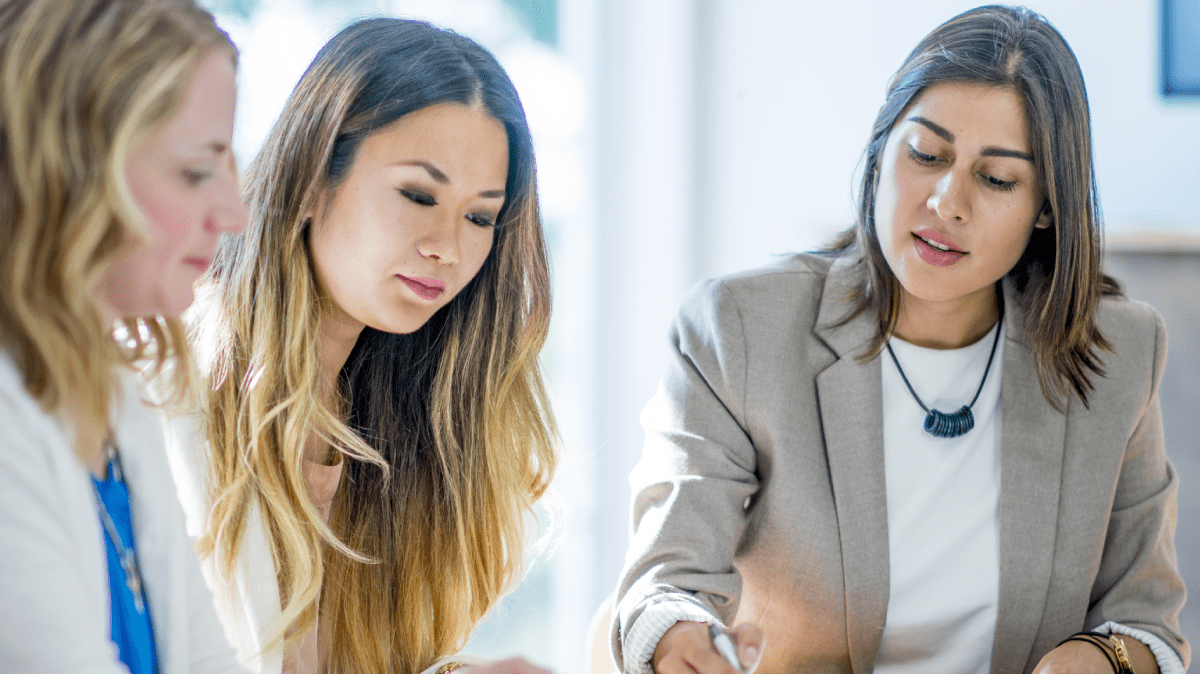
[[750, 655]]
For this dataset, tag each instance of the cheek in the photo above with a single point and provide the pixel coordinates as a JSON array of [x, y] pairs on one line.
[[172, 223], [479, 244]]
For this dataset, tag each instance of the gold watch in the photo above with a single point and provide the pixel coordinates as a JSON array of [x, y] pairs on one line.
[[1118, 645]]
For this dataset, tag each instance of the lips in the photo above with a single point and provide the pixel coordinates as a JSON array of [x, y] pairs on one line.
[[425, 288], [936, 248], [200, 264]]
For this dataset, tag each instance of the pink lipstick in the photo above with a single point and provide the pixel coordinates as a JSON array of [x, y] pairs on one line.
[[425, 288], [200, 264], [936, 248]]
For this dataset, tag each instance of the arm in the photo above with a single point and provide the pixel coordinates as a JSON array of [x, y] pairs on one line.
[[1138, 592], [690, 488], [58, 619]]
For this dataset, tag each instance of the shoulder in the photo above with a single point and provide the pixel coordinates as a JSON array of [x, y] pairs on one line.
[[1134, 364], [187, 453], [793, 284], [1130, 322], [34, 445]]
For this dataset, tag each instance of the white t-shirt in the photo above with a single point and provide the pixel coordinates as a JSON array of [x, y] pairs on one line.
[[943, 517]]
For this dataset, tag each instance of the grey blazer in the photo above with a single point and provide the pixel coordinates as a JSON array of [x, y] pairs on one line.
[[760, 494]]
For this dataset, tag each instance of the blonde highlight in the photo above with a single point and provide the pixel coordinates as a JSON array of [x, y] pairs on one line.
[[82, 82], [446, 435]]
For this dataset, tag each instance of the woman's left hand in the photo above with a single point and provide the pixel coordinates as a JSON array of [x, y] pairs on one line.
[[1074, 657]]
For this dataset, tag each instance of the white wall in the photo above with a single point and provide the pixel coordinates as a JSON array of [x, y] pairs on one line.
[[791, 89]]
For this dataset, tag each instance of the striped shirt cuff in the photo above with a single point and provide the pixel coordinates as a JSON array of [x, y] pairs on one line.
[[1168, 660], [652, 624]]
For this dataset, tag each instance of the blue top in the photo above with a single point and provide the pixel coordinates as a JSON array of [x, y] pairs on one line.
[[131, 631]]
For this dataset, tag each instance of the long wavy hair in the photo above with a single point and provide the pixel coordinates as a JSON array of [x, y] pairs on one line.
[[81, 83], [446, 433], [1059, 278]]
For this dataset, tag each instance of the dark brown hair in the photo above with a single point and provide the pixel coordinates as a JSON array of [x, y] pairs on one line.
[[1058, 278]]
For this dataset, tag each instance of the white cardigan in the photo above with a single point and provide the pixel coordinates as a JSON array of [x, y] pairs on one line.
[[249, 604], [54, 589]]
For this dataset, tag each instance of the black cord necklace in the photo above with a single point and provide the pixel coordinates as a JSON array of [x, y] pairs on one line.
[[938, 423]]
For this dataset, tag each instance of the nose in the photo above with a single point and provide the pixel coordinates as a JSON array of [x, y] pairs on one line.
[[949, 199], [440, 242], [228, 209]]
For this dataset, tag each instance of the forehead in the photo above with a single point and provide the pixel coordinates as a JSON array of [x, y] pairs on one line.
[[448, 132], [977, 115], [205, 114]]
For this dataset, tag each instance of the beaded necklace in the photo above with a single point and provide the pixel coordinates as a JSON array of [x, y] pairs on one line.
[[940, 424]]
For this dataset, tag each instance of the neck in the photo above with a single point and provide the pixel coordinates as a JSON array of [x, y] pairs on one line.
[[947, 324], [339, 333]]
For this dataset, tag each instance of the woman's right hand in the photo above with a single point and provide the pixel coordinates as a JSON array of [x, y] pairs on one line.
[[687, 648], [508, 666]]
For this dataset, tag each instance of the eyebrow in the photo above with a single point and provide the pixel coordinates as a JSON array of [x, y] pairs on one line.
[[439, 177], [216, 147], [944, 133]]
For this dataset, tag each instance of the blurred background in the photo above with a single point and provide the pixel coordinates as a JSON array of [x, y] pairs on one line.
[[681, 139]]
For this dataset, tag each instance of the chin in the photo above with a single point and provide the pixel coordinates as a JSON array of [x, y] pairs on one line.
[[400, 327]]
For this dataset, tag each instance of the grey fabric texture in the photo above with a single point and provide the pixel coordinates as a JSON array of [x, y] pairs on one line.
[[760, 494]]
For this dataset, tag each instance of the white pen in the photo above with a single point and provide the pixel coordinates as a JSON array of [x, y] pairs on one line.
[[725, 646]]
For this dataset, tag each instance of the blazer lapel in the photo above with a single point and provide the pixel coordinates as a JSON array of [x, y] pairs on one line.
[[1031, 463], [851, 406]]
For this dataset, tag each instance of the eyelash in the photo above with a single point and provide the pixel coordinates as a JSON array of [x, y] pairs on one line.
[[422, 199], [992, 182], [193, 177]]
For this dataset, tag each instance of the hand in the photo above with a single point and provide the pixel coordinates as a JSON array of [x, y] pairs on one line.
[[1074, 657], [509, 666], [687, 648]]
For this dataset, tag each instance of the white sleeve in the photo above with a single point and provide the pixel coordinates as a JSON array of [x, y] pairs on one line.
[[1168, 660], [651, 625], [56, 617]]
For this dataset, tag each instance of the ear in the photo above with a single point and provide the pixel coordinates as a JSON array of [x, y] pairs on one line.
[[1045, 218], [315, 206]]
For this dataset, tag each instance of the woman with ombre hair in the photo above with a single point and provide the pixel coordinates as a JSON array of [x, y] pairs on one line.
[[373, 430], [116, 179]]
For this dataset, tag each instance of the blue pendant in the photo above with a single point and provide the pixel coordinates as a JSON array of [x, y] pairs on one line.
[[942, 425]]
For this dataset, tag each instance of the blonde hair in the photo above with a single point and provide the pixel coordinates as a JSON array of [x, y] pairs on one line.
[[447, 433], [80, 83]]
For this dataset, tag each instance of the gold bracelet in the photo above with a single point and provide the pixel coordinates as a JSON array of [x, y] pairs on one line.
[[450, 667], [1122, 654]]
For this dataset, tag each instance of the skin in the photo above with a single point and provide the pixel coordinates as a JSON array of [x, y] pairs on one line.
[[183, 178], [420, 200], [980, 187], [687, 648], [987, 204]]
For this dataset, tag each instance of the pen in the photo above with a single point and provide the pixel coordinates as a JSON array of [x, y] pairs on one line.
[[725, 646]]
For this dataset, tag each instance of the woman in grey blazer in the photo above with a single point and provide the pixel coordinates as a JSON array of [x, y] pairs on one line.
[[806, 476]]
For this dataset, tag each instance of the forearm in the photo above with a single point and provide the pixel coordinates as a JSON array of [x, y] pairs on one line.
[[1141, 660]]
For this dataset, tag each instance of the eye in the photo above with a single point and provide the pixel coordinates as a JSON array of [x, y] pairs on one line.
[[481, 220], [194, 177], [998, 184], [419, 197], [921, 157]]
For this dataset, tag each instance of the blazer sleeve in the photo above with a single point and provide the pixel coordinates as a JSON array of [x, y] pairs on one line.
[[1138, 583], [696, 475]]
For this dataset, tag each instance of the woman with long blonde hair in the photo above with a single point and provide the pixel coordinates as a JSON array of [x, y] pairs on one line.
[[373, 430], [116, 179]]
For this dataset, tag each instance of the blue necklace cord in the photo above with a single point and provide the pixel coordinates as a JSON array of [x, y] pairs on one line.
[[940, 424]]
